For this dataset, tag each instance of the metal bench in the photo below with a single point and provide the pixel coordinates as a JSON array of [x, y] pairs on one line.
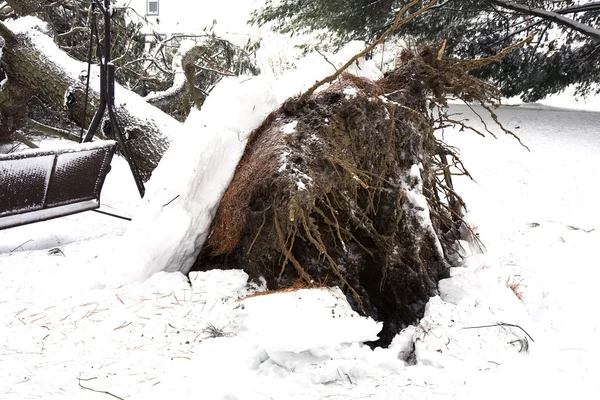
[[37, 185]]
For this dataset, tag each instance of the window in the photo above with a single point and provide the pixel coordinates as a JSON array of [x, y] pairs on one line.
[[152, 7]]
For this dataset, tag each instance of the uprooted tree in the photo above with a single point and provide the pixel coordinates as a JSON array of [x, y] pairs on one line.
[[350, 186], [358, 195], [346, 186]]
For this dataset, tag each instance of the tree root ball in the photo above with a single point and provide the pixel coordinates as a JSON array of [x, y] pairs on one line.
[[337, 190]]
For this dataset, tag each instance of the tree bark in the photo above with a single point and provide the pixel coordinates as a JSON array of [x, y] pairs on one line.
[[188, 62], [33, 66], [24, 7], [12, 112], [176, 99]]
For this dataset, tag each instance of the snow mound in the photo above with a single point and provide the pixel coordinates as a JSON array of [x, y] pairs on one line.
[[185, 189], [314, 334], [280, 323]]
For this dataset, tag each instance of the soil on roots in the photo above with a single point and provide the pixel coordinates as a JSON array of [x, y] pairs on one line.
[[333, 190]]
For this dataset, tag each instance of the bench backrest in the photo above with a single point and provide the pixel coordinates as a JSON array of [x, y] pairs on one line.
[[36, 185]]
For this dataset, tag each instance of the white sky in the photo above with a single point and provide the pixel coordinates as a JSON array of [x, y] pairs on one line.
[[184, 16]]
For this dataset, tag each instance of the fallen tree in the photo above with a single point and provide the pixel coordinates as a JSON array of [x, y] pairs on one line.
[[349, 186], [39, 80], [34, 64]]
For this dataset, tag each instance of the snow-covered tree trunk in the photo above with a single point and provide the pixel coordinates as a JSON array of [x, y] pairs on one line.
[[32, 62], [183, 87]]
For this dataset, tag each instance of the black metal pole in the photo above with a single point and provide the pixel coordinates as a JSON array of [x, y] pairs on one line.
[[102, 106], [106, 12], [89, 68], [107, 99], [114, 124]]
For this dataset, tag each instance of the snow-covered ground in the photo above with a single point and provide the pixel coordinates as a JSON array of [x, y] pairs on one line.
[[61, 336], [169, 338]]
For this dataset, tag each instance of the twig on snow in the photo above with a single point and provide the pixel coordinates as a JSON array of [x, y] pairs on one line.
[[500, 324], [97, 391], [22, 244]]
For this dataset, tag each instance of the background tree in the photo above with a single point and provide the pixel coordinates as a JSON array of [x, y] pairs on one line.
[[565, 51]]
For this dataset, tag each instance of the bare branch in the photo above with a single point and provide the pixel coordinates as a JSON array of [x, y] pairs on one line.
[[553, 16], [21, 138], [77, 29], [50, 130]]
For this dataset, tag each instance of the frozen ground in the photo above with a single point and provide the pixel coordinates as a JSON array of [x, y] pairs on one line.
[[536, 211]]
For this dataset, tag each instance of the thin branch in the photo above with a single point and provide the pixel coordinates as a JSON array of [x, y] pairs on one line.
[[52, 131], [501, 324], [97, 391], [325, 58], [151, 61], [216, 71], [553, 16], [77, 29], [21, 138], [128, 45]]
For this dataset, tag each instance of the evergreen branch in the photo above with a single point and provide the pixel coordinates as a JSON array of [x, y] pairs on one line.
[[482, 62], [513, 33]]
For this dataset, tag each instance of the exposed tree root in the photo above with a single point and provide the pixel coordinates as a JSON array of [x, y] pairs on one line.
[[360, 195]]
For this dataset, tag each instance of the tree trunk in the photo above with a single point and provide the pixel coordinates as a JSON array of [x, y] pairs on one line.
[[178, 99], [24, 7], [32, 61], [12, 112]]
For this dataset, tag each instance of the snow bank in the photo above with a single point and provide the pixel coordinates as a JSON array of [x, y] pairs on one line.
[[315, 334], [280, 321], [184, 191], [149, 339]]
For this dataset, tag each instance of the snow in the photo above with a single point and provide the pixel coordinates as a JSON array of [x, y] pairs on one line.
[[179, 79], [350, 92], [290, 127], [278, 321], [63, 331], [535, 211], [567, 99], [413, 189]]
